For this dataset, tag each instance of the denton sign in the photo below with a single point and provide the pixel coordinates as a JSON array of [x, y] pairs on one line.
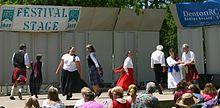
[[198, 14]]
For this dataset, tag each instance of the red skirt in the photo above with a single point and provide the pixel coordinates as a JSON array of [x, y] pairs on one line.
[[192, 73], [125, 80], [19, 76]]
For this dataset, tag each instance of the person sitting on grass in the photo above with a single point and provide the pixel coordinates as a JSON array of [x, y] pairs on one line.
[[147, 100], [132, 94], [213, 102], [80, 102], [196, 92], [32, 103], [53, 100], [182, 87], [209, 92], [118, 101], [109, 100], [90, 102]]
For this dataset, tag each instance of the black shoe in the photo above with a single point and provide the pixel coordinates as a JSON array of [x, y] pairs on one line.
[[36, 96], [68, 97], [19, 95], [12, 97]]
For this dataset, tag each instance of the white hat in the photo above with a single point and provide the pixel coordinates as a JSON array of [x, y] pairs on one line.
[[159, 47]]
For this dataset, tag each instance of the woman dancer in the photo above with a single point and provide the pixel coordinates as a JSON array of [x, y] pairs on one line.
[[36, 76], [127, 78], [95, 70], [71, 73], [174, 76]]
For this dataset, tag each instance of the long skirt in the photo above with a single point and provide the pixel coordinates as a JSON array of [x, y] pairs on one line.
[[35, 83], [19, 76], [94, 77], [191, 73], [173, 79], [125, 80], [71, 82]]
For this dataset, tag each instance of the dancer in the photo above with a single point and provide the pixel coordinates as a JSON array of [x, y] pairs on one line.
[[173, 70], [36, 76], [20, 61], [127, 77], [158, 65], [95, 70], [188, 61], [71, 73]]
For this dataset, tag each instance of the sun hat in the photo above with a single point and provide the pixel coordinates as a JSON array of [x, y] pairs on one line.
[[187, 100]]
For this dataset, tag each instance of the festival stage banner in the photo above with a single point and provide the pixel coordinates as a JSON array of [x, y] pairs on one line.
[[197, 14], [36, 18]]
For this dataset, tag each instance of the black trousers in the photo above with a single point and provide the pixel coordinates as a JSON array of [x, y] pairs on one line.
[[158, 73]]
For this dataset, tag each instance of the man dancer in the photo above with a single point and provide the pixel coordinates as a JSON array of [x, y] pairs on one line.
[[20, 61], [158, 65], [190, 72]]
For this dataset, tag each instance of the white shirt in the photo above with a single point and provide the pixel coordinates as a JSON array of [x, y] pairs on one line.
[[128, 64], [51, 104], [26, 58], [157, 57], [171, 61], [79, 103], [68, 62], [188, 57]]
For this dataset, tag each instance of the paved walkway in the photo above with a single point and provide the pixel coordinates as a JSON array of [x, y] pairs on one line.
[[6, 102]]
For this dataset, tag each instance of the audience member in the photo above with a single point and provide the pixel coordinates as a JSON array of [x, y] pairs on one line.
[[118, 101], [132, 94], [108, 101], [181, 89], [196, 92], [213, 102], [187, 100], [147, 100], [80, 102], [209, 92], [32, 103], [90, 102], [52, 100]]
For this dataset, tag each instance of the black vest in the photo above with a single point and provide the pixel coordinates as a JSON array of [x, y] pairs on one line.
[[18, 60], [90, 62]]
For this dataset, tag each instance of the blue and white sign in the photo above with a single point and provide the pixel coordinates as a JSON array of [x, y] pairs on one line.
[[32, 18], [197, 14]]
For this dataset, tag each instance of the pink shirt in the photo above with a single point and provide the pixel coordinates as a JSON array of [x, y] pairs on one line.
[[208, 96], [92, 104]]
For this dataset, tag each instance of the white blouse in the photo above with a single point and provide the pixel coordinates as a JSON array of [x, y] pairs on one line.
[[69, 64], [51, 104], [128, 64], [171, 61], [187, 57]]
